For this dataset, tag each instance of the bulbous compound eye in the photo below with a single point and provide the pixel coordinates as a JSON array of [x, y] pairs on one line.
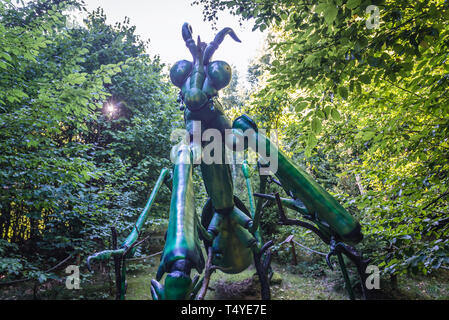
[[220, 74], [180, 71]]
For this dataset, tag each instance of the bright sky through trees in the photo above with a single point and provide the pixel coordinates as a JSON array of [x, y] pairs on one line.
[[161, 22]]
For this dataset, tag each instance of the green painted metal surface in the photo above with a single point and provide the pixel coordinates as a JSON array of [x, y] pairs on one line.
[[295, 180], [182, 240]]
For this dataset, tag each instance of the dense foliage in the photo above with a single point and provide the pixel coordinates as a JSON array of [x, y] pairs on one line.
[[361, 88], [85, 118]]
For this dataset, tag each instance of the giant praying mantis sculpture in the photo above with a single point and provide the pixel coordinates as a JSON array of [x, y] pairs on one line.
[[229, 231]]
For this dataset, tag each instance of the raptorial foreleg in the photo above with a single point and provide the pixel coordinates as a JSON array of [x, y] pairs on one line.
[[182, 251]]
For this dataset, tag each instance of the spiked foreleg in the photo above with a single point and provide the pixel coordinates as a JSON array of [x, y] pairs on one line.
[[182, 251]]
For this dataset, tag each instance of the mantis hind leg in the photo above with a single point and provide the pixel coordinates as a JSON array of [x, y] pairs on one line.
[[262, 260]]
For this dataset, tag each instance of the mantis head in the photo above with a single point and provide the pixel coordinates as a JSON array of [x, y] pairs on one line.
[[200, 79]]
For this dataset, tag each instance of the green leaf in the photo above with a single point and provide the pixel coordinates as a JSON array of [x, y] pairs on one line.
[[320, 114], [368, 135], [301, 106], [322, 7], [330, 14], [343, 92], [316, 125], [422, 156], [352, 4], [335, 114], [365, 78], [42, 277], [328, 111], [311, 141]]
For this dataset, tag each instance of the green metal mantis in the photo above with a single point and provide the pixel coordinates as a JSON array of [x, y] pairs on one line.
[[229, 231]]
